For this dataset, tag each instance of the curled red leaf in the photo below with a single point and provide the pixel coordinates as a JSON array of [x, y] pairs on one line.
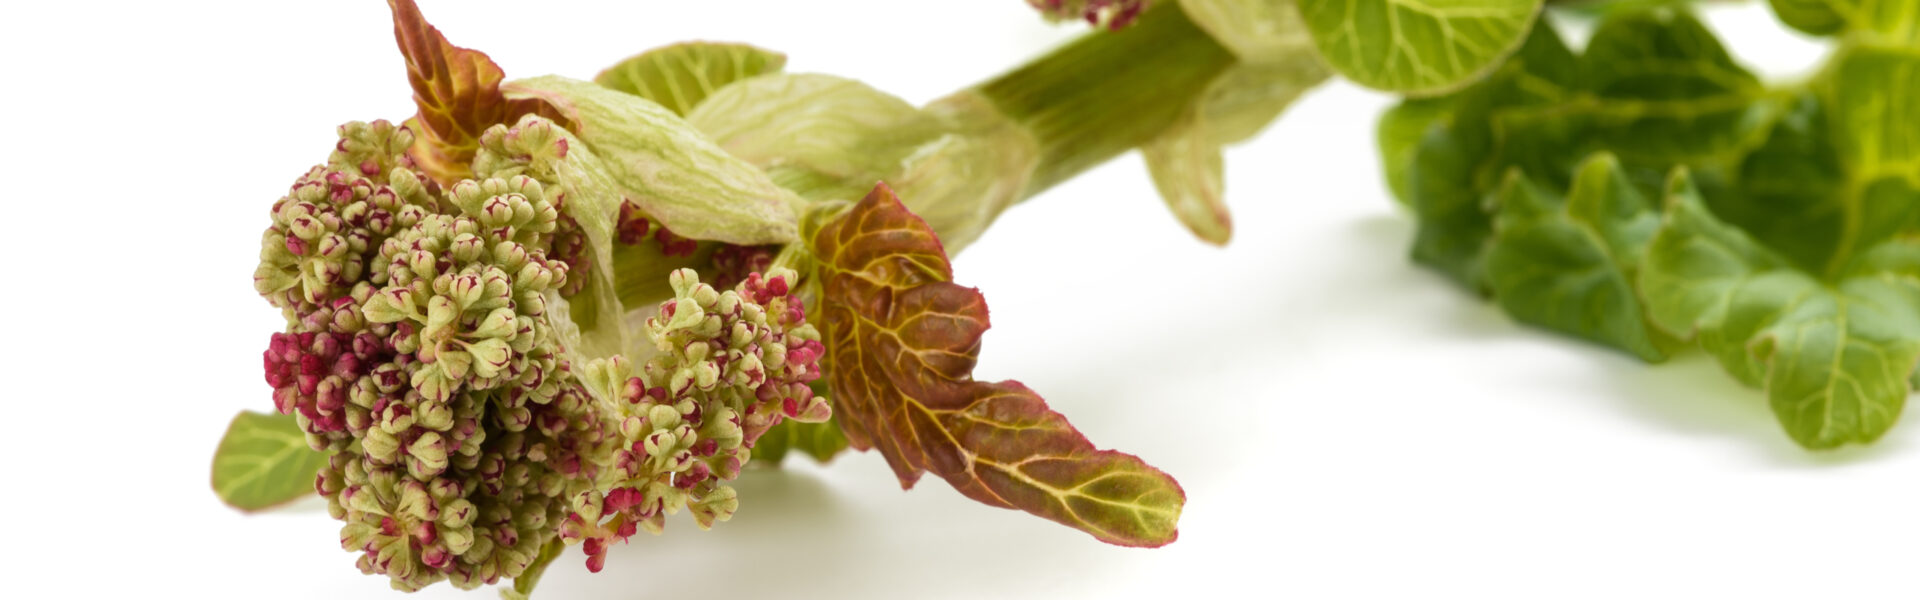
[[902, 340], [458, 94]]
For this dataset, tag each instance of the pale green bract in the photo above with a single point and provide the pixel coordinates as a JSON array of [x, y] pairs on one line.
[[827, 137], [956, 163], [1417, 47], [264, 461], [667, 168], [1189, 173], [680, 76], [1276, 65]]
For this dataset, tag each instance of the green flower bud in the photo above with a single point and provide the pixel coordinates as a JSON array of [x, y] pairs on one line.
[[436, 416], [428, 456], [662, 417], [489, 356], [414, 501], [380, 445], [717, 505], [705, 375], [391, 306]]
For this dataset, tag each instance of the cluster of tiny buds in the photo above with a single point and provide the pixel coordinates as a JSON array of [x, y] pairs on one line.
[[333, 217], [730, 365], [1112, 14], [420, 353], [535, 147]]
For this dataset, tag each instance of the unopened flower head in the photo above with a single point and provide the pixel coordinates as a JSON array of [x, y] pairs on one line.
[[421, 352], [336, 214], [729, 366]]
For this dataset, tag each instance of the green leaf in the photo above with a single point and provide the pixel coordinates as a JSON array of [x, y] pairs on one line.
[[1458, 160], [1833, 356], [1830, 179], [1812, 16], [1569, 265], [264, 461], [1417, 46], [680, 76], [1399, 133], [1875, 94], [1790, 241], [1653, 89], [1884, 21]]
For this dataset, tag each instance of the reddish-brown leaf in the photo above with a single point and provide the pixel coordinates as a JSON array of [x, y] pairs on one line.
[[458, 94], [902, 340]]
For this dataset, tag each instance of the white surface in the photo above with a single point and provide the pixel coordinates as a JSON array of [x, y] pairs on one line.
[[1345, 424]]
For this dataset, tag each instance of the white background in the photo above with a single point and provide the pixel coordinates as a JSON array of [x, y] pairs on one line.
[[1345, 424]]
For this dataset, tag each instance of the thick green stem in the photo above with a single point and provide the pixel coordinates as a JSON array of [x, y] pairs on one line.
[[1108, 92]]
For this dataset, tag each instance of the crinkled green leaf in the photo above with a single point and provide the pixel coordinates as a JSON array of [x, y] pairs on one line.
[[1828, 181], [1458, 160], [669, 169], [1569, 265], [1399, 133], [1875, 94], [1833, 356], [901, 343], [680, 76], [1417, 46], [264, 461], [1885, 21], [1789, 247], [1653, 89]]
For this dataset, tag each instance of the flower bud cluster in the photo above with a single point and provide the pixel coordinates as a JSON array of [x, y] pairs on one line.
[[481, 410], [1112, 14], [336, 214], [729, 366], [421, 353], [533, 148]]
